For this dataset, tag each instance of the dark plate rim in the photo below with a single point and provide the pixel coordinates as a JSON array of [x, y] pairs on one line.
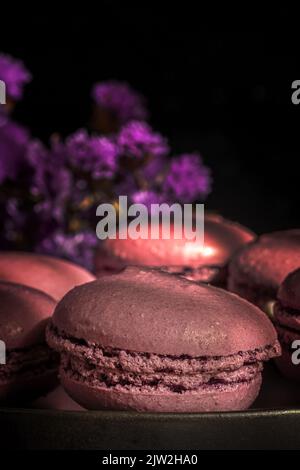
[[110, 414]]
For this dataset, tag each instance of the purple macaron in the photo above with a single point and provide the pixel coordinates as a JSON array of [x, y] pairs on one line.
[[54, 276], [187, 258], [258, 269], [148, 341], [30, 366], [287, 323]]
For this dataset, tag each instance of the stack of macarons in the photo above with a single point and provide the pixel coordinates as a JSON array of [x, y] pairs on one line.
[[189, 258], [287, 322], [126, 344], [30, 367], [259, 268], [30, 286]]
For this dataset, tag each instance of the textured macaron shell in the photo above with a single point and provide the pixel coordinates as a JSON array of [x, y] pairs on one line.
[[289, 291], [24, 313], [159, 313], [221, 239], [266, 262], [48, 274], [221, 398]]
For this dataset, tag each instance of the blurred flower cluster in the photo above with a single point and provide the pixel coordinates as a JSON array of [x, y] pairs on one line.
[[49, 194], [15, 76]]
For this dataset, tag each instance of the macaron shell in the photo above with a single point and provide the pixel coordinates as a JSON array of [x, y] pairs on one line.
[[24, 313], [56, 399], [164, 314], [51, 275], [234, 397], [285, 318], [222, 238], [266, 262], [289, 291]]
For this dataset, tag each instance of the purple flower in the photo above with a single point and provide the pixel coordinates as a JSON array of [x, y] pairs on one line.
[[95, 155], [187, 179], [77, 247], [37, 158], [154, 170], [51, 181], [126, 186], [13, 142], [15, 76], [147, 198], [136, 139], [121, 100], [15, 220]]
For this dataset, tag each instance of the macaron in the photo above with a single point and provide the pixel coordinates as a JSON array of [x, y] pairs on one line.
[[259, 268], [187, 258], [46, 273], [148, 341], [30, 366], [287, 323]]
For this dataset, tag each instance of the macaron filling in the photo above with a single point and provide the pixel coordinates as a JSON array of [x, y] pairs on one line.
[[287, 321], [36, 360], [128, 370], [207, 274], [288, 317]]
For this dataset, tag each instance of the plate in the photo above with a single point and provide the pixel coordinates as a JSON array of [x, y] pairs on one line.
[[272, 423]]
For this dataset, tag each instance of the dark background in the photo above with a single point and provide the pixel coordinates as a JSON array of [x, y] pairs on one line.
[[217, 81]]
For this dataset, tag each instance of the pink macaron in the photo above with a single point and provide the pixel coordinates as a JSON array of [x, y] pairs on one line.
[[30, 366], [287, 322], [258, 269], [148, 341], [185, 257], [46, 273]]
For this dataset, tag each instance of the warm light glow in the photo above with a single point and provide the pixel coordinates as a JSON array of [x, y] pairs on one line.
[[192, 249], [269, 308], [208, 251]]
